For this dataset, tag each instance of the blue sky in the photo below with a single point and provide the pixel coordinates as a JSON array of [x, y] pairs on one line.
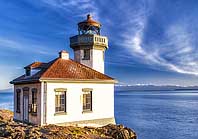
[[150, 41]]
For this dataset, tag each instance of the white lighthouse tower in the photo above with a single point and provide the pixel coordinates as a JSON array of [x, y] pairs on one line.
[[89, 46]]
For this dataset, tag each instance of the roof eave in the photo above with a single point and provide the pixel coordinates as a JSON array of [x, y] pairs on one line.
[[78, 80], [24, 81]]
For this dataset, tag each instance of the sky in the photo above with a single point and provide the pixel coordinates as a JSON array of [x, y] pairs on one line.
[[150, 41]]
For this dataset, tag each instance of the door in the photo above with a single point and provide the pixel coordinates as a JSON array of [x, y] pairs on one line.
[[25, 108]]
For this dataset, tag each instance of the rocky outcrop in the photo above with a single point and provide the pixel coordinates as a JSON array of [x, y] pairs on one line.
[[11, 129]]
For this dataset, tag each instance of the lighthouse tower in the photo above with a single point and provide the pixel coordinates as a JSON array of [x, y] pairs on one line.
[[89, 46]]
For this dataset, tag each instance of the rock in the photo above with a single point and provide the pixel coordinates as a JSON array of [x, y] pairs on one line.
[[11, 129], [6, 115], [118, 131]]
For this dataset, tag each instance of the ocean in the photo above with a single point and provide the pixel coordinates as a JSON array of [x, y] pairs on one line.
[[6, 100], [152, 114], [159, 114]]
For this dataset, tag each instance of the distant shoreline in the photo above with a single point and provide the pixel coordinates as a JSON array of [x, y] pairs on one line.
[[155, 88], [6, 92], [126, 89]]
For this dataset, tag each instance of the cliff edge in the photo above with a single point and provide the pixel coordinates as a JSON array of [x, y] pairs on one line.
[[11, 129]]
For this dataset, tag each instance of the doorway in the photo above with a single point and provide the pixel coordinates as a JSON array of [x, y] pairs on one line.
[[25, 107]]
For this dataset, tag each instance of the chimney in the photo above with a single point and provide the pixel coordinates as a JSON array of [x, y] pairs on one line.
[[64, 55]]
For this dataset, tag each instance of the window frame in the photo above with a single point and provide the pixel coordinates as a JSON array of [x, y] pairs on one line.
[[18, 100], [34, 107], [86, 54], [57, 93], [87, 95], [28, 72]]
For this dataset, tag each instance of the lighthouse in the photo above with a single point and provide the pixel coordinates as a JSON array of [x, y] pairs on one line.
[[67, 91], [89, 45]]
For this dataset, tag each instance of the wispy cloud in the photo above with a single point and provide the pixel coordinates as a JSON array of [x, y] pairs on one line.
[[175, 51], [17, 48], [181, 55], [21, 45], [74, 7], [7, 74]]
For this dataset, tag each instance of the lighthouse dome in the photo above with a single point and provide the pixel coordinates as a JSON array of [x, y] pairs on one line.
[[89, 26]]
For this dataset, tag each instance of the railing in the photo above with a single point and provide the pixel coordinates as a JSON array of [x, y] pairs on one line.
[[99, 39], [89, 40]]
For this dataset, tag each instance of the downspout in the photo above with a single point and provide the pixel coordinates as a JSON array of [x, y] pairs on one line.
[[44, 103]]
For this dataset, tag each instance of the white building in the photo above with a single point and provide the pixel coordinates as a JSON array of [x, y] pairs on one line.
[[65, 91]]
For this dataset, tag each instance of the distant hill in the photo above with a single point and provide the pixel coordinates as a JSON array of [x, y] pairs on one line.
[[153, 87], [6, 90]]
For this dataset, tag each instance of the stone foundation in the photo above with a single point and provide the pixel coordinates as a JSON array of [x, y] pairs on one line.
[[93, 123]]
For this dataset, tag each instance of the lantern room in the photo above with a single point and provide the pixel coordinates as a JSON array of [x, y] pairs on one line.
[[89, 46], [89, 26]]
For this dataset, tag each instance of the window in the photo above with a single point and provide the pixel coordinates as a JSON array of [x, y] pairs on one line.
[[87, 101], [86, 54], [34, 71], [18, 100], [28, 72], [34, 100], [60, 101]]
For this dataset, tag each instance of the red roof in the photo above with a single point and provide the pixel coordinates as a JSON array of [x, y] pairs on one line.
[[62, 69], [89, 21], [36, 65]]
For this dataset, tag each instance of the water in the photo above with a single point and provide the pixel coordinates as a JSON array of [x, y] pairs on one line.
[[159, 115], [6, 100], [152, 114]]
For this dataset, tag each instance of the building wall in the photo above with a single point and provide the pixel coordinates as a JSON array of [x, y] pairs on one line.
[[78, 56], [98, 60], [35, 119], [102, 102]]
